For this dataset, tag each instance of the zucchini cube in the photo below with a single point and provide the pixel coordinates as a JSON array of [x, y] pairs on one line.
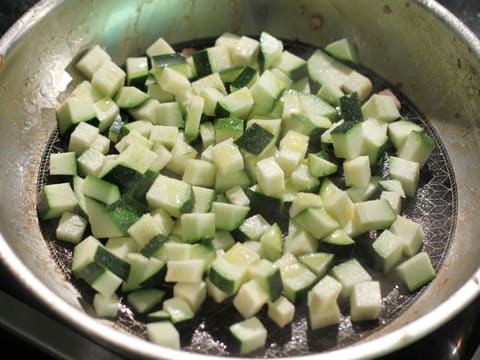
[[229, 216], [163, 333], [299, 243], [82, 137], [250, 298], [63, 164], [410, 233], [388, 249], [281, 311], [108, 78], [357, 171], [416, 271], [398, 131], [417, 147], [194, 293], [227, 157], [272, 243], [271, 178], [381, 107], [394, 199], [343, 50], [245, 51], [199, 173], [190, 270], [144, 229], [228, 127], [265, 92], [348, 139], [374, 214], [250, 335], [137, 70], [357, 83], [236, 104], [106, 306], [317, 262], [144, 300], [173, 195], [340, 207], [297, 279], [198, 227], [365, 301], [55, 199], [71, 227], [165, 135], [407, 172], [92, 60], [324, 294], [317, 222], [349, 273]]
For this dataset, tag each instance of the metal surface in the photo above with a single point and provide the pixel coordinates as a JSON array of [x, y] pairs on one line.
[[417, 44]]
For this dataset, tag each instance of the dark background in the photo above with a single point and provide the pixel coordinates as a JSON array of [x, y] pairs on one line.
[[458, 339]]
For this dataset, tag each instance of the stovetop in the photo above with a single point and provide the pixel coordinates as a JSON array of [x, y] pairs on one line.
[[29, 329]]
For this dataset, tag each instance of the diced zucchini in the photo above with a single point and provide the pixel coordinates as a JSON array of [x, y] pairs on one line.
[[347, 140], [357, 171], [394, 199], [292, 65], [338, 243], [228, 128], [236, 104], [193, 117], [82, 138], [410, 233], [199, 173], [388, 249], [272, 243], [181, 153], [322, 303], [245, 78], [106, 306], [265, 92], [374, 214], [174, 196], [398, 131], [317, 262], [144, 300], [190, 270], [169, 114], [281, 311], [270, 177], [198, 227], [227, 157], [92, 60], [340, 207], [417, 147], [159, 47], [416, 271], [106, 111], [299, 243], [211, 60], [100, 190], [381, 107], [342, 49], [365, 301], [63, 163], [250, 298], [407, 172], [253, 228], [297, 279], [245, 51], [350, 107], [194, 293], [255, 139], [320, 166], [129, 96], [108, 78], [250, 334], [229, 216], [349, 273], [163, 333], [71, 227], [137, 70], [271, 50], [317, 222], [268, 276], [55, 199]]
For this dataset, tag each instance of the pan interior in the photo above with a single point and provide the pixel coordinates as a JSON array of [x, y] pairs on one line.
[[434, 208]]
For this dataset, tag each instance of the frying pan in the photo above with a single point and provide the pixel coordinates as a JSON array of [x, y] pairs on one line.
[[416, 45]]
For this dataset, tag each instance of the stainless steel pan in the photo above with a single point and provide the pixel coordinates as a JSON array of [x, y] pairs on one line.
[[417, 44]]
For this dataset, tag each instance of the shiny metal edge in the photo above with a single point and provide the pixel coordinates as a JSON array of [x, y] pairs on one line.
[[105, 334]]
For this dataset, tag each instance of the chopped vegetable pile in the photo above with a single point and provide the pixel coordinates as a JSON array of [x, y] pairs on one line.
[[240, 171]]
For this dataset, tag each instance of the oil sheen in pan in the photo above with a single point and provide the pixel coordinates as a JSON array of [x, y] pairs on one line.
[[434, 207]]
